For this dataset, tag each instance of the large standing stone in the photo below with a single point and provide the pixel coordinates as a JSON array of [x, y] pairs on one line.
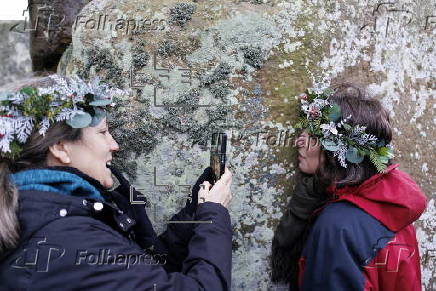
[[248, 60], [50, 26], [14, 53]]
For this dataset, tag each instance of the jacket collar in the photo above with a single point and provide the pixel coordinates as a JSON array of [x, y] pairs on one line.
[[337, 191], [39, 208], [392, 197]]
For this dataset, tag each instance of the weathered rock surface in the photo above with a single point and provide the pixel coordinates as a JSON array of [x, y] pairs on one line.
[[50, 26], [14, 53], [248, 60]]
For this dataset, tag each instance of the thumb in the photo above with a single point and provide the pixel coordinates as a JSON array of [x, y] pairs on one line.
[[204, 190]]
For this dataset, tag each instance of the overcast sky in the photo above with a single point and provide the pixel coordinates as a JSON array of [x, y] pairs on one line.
[[12, 9]]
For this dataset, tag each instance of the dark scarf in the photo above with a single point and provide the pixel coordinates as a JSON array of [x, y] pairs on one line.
[[293, 229]]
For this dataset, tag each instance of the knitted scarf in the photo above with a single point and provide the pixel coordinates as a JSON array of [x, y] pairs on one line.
[[63, 180]]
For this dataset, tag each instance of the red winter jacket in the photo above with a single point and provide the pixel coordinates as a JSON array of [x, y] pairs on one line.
[[365, 239]]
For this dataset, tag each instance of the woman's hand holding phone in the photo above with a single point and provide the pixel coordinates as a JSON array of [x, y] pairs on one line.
[[220, 191]]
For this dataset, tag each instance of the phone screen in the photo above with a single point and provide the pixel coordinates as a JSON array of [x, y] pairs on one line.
[[218, 155]]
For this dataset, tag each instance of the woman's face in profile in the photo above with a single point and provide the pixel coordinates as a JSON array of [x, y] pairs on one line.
[[91, 154], [309, 151]]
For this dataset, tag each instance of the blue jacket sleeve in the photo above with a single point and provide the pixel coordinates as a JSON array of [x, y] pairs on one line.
[[342, 241], [206, 267]]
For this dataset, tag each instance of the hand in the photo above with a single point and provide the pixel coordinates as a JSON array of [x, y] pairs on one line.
[[219, 193]]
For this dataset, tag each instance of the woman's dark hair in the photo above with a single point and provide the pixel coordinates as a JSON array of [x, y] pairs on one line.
[[365, 111], [34, 155]]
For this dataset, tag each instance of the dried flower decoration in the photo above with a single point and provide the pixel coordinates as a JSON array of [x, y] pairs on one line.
[[348, 143], [80, 104]]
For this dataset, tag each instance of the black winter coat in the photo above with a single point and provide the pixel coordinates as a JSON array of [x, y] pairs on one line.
[[74, 243]]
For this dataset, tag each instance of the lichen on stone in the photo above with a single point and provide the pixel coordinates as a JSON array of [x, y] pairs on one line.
[[253, 56], [220, 89], [103, 62], [178, 118], [181, 13], [220, 73], [140, 57], [127, 123], [167, 48], [254, 1]]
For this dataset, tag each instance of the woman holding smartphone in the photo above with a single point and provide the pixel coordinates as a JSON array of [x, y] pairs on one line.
[[60, 226], [349, 224]]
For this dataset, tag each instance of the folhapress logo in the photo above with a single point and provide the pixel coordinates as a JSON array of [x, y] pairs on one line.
[[38, 254]]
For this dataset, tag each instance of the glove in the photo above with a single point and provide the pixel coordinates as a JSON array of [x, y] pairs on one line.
[[308, 196], [191, 206], [143, 229], [291, 233]]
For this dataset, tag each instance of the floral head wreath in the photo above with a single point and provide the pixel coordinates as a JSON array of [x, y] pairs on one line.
[[78, 103], [348, 143]]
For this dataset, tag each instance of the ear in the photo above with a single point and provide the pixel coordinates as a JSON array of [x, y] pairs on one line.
[[60, 152]]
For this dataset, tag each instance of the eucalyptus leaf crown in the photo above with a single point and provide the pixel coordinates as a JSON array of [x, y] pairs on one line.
[[348, 143], [80, 104]]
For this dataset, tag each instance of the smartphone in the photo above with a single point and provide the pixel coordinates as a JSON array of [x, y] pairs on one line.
[[218, 149]]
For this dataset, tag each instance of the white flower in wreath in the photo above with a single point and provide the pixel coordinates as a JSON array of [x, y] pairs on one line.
[[320, 103], [305, 108], [328, 129]]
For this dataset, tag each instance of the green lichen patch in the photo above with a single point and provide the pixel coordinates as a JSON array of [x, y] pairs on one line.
[[186, 103], [174, 48], [179, 119], [254, 1], [180, 114]]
